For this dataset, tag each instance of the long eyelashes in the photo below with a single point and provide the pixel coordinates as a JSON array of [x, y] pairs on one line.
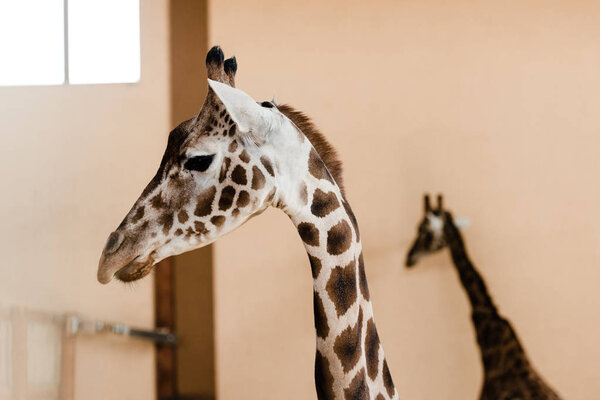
[[199, 163]]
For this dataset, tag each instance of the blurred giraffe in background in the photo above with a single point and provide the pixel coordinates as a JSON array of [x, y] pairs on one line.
[[228, 164], [508, 373]]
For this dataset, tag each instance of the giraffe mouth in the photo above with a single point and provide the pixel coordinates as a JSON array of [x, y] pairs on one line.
[[136, 269]]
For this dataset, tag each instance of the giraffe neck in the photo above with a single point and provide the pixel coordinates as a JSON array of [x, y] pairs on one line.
[[471, 280], [350, 361], [500, 348]]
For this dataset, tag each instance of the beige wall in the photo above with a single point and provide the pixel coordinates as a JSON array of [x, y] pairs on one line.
[[493, 103], [73, 160]]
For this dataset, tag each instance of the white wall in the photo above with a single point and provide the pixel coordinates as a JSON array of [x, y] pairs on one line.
[[73, 160]]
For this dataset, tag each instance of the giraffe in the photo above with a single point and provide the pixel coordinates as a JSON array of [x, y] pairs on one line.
[[228, 164], [508, 373]]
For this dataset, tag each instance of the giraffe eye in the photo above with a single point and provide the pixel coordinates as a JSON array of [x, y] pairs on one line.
[[199, 163]]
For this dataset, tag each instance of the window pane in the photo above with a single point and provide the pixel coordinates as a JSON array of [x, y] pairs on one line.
[[104, 41], [32, 42]]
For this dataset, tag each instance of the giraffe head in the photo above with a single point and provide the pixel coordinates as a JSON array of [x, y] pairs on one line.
[[431, 234], [220, 168]]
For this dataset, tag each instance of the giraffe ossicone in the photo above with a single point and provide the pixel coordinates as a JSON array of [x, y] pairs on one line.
[[230, 162]]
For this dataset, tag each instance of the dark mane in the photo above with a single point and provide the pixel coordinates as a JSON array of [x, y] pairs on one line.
[[326, 151]]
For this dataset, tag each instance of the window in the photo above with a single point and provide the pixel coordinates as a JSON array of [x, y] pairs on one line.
[[50, 42]]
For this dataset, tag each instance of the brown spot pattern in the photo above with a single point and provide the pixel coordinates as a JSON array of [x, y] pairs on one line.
[[303, 194], [243, 199], [245, 157], [239, 175], [267, 164], [358, 389], [224, 169], [205, 200], [347, 345], [217, 220], [316, 167], [157, 202], [182, 216], [372, 349], [315, 266], [342, 287], [379, 397], [258, 179], [324, 203], [387, 379], [226, 200], [139, 214], [179, 232], [321, 325], [323, 378], [309, 233], [167, 222], [200, 227], [352, 219], [339, 238], [362, 277], [233, 146]]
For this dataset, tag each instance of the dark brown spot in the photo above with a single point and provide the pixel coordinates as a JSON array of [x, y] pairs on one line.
[[372, 349], [316, 167], [244, 157], [167, 222], [323, 203], [362, 277], [157, 202], [139, 214], [226, 200], [267, 164], [339, 238], [358, 389], [243, 199], [320, 318], [303, 194], [342, 287], [199, 227], [309, 233], [179, 232], [232, 130], [387, 379], [205, 200], [217, 220], [315, 266], [189, 231], [352, 219], [258, 179], [323, 378], [380, 397], [347, 345], [224, 169], [235, 212], [239, 175], [233, 146], [182, 216]]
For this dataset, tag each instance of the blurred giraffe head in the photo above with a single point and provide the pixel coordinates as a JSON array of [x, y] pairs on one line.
[[431, 236], [221, 167]]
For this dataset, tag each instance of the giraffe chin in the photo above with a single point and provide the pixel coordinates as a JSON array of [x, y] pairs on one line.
[[134, 270]]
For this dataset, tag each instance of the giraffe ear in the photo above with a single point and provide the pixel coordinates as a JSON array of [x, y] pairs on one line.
[[252, 120], [462, 222]]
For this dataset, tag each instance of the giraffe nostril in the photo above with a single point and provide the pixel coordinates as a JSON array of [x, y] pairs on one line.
[[114, 242]]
